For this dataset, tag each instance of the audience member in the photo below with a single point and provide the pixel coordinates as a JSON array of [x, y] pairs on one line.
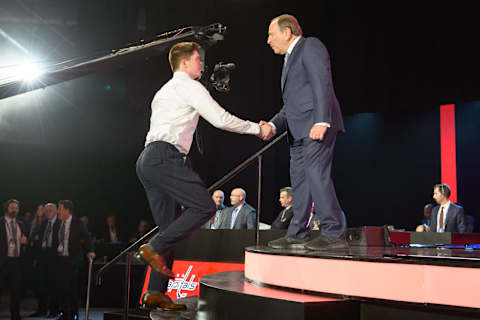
[[111, 232], [240, 215], [48, 299], [70, 235], [427, 214], [143, 228], [12, 237], [31, 273], [446, 216], [27, 221], [214, 223], [285, 216]]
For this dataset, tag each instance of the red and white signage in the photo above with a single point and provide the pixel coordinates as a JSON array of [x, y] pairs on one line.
[[186, 284]]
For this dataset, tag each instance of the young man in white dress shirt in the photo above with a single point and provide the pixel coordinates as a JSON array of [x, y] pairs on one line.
[[163, 169]]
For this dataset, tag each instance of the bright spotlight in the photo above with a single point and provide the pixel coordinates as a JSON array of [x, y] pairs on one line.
[[28, 72]]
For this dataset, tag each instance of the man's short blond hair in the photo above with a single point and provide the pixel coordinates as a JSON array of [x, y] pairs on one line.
[[288, 21], [180, 51]]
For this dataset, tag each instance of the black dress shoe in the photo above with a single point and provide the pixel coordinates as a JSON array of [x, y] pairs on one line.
[[326, 243], [157, 300], [289, 243]]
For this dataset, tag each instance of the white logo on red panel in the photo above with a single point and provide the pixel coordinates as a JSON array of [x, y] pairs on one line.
[[182, 283]]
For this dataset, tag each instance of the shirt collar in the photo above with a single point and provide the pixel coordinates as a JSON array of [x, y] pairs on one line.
[[9, 220], [53, 219], [446, 206], [181, 74], [68, 220], [292, 45]]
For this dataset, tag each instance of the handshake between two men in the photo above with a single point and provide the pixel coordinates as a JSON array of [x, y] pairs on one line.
[[268, 130]]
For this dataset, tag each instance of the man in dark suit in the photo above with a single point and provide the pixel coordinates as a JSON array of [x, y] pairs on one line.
[[285, 216], [70, 236], [12, 237], [311, 115], [112, 233], [446, 216], [240, 215], [48, 303]]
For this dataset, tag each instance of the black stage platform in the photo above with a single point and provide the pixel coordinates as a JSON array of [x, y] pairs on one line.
[[379, 281]]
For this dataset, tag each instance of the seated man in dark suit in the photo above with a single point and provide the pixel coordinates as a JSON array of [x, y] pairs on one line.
[[447, 216], [285, 216], [427, 215], [112, 233], [240, 215]]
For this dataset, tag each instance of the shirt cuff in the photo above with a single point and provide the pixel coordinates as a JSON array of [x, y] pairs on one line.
[[324, 124], [273, 126]]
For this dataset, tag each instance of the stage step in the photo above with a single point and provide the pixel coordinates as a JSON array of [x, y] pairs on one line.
[[226, 295]]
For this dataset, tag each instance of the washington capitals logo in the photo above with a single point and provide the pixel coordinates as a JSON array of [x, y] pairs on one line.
[[182, 283]]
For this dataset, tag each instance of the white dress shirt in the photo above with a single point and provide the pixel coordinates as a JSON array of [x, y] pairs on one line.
[[445, 211], [63, 247], [13, 251], [176, 108]]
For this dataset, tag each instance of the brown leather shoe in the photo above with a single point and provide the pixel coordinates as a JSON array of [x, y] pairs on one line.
[[156, 300], [146, 255]]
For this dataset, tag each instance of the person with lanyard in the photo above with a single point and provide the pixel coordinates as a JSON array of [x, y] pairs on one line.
[[178, 198], [12, 237]]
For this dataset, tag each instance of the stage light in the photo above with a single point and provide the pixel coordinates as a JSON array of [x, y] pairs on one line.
[[30, 71]]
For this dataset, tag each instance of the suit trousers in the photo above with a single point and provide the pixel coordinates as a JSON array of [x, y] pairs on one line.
[[170, 183], [11, 278], [67, 277], [310, 175], [47, 266]]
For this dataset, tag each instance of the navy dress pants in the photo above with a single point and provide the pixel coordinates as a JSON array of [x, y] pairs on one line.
[[178, 198], [310, 175]]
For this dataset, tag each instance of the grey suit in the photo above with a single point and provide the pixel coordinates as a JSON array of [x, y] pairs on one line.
[[455, 221], [245, 218]]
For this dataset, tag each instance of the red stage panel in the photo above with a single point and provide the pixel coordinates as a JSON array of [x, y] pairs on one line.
[[187, 274], [448, 148]]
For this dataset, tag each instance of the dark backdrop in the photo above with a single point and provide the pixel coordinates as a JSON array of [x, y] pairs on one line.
[[393, 65]]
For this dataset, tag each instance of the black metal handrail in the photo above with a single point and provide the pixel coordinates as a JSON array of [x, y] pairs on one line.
[[229, 176]]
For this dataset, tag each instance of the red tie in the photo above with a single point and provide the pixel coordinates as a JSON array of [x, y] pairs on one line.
[[441, 219]]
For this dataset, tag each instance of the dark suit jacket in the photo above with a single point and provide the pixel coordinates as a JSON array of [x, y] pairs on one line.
[[455, 221], [78, 239], [278, 223], [43, 228], [106, 234], [307, 91], [245, 218], [3, 239]]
